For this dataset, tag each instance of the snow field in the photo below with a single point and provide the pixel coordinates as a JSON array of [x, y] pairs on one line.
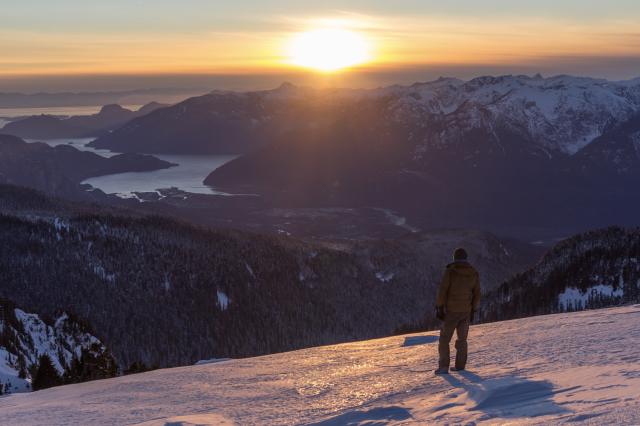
[[556, 369]]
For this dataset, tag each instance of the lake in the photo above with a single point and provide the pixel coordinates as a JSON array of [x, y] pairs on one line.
[[187, 176]]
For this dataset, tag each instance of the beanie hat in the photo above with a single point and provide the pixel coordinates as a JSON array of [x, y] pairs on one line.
[[460, 254]]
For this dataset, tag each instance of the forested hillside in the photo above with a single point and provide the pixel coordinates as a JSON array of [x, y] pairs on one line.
[[592, 270], [164, 293]]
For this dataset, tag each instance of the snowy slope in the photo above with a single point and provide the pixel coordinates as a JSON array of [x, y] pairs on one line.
[[544, 370], [24, 337], [562, 113]]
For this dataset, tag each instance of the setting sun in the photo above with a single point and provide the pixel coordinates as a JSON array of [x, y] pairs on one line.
[[329, 49]]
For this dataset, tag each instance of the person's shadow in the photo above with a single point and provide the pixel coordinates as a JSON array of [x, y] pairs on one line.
[[419, 340], [509, 396], [378, 416], [472, 377]]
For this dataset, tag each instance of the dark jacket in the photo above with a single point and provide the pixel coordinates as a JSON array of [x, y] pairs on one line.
[[459, 290]]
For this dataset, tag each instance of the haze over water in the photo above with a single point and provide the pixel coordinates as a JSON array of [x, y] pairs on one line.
[[62, 110]]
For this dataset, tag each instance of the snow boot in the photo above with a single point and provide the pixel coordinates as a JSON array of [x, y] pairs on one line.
[[457, 369], [441, 370]]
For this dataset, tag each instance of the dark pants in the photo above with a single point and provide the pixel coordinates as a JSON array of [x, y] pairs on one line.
[[458, 322]]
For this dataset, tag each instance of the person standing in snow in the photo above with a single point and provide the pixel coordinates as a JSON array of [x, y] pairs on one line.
[[458, 299]]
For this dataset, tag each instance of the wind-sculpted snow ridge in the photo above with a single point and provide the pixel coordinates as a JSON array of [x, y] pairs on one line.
[[556, 369]]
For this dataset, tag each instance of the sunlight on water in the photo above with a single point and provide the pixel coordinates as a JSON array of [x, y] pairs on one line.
[[187, 176]]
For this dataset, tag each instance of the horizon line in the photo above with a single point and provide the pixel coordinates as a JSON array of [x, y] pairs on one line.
[[285, 80]]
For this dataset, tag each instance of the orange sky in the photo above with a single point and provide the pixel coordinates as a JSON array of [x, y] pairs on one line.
[[69, 37], [396, 42]]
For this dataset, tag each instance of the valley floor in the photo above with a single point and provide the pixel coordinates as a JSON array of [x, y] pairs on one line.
[[566, 368]]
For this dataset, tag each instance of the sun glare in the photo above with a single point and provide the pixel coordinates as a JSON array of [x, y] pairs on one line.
[[329, 49]]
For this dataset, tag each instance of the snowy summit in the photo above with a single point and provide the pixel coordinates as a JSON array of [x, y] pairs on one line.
[[555, 369]]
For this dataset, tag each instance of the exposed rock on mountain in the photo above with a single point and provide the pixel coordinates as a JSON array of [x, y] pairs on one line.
[[68, 345]]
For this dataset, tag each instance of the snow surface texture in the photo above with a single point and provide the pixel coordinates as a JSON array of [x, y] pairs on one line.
[[61, 342], [565, 368]]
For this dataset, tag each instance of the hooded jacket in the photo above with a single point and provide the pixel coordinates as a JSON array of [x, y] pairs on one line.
[[459, 290]]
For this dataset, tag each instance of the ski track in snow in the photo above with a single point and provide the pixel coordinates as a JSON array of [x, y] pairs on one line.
[[565, 368]]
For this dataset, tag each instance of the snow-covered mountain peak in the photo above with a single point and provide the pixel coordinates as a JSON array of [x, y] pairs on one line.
[[562, 113], [553, 116]]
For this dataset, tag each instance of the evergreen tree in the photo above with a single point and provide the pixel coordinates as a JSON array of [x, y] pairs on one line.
[[22, 372], [46, 375]]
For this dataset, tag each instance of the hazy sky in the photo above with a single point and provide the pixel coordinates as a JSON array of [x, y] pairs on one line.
[[119, 44]]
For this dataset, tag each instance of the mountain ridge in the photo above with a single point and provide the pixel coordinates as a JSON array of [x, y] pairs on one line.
[[553, 101], [110, 117], [475, 157], [595, 269]]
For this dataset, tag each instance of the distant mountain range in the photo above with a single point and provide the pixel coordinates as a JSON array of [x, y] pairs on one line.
[[164, 293], [109, 118], [512, 154], [556, 115], [60, 170], [219, 123], [73, 99]]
